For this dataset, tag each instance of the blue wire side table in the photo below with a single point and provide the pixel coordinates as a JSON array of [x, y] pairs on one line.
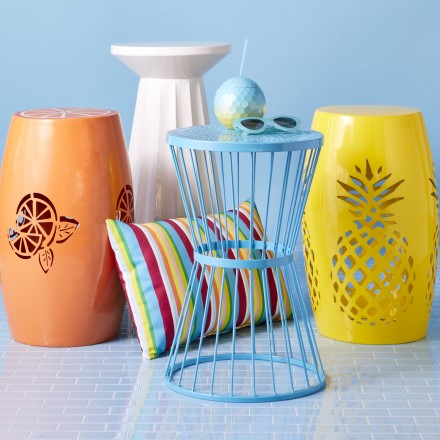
[[216, 170]]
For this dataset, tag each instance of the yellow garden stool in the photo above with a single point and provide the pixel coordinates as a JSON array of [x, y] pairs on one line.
[[370, 229]]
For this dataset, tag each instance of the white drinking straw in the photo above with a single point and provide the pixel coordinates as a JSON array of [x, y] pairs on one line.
[[244, 55]]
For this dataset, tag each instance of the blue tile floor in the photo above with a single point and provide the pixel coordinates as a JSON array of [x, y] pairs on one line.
[[108, 391]]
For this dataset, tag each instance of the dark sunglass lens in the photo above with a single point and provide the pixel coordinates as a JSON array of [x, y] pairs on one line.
[[252, 124], [285, 122]]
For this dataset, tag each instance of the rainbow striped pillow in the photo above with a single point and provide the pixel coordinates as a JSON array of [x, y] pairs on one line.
[[154, 262]]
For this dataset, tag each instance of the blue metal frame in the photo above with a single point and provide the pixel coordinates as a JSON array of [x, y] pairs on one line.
[[281, 360]]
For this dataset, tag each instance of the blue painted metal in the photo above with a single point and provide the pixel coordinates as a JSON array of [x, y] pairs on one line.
[[275, 360]]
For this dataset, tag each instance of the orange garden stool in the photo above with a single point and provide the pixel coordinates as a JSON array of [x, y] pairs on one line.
[[64, 172]]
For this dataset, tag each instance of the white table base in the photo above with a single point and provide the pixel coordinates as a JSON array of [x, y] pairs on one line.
[[171, 95], [162, 104]]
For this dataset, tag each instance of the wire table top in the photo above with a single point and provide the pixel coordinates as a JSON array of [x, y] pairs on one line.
[[218, 138]]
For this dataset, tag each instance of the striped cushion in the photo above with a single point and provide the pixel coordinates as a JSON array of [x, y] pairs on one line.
[[155, 261]]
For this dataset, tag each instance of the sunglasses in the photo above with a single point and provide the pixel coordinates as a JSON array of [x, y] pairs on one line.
[[254, 125]]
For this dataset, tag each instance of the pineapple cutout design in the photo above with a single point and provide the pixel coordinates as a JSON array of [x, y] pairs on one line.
[[433, 258], [372, 271], [311, 268]]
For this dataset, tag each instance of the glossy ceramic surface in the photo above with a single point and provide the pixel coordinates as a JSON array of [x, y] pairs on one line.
[[372, 267], [64, 172], [170, 60], [171, 94]]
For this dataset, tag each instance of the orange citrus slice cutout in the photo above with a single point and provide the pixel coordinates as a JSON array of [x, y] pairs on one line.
[[24, 245], [36, 215], [125, 205]]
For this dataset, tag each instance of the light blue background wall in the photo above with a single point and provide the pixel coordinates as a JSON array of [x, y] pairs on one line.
[[304, 54]]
